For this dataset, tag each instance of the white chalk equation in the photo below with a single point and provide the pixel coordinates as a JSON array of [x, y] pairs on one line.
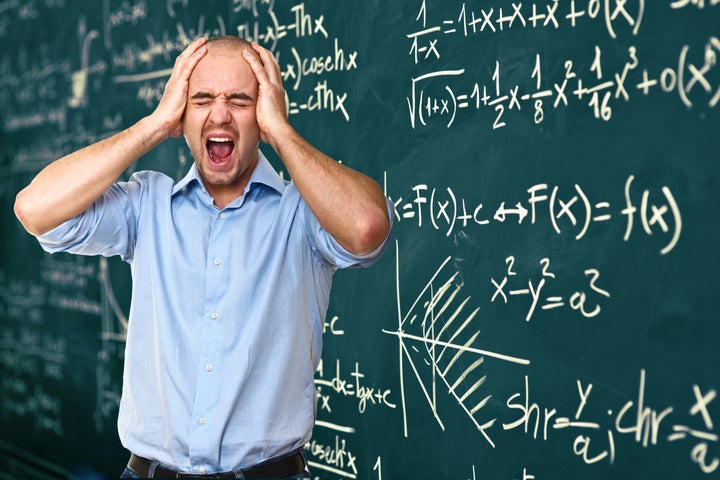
[[624, 16], [439, 96], [593, 439], [571, 211], [645, 424], [350, 384], [434, 98], [337, 458], [587, 301], [302, 24]]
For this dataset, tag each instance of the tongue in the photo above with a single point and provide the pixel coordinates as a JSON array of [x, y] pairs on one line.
[[220, 150]]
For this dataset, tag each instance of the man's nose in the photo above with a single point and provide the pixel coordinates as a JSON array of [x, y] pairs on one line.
[[220, 113]]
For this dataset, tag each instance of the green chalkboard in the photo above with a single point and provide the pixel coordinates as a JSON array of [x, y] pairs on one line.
[[547, 308]]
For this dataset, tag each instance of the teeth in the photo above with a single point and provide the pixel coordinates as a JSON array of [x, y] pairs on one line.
[[218, 139]]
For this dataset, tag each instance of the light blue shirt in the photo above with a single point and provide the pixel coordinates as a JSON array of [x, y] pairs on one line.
[[225, 329]]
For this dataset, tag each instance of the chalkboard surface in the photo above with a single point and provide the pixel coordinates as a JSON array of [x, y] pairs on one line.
[[548, 306]]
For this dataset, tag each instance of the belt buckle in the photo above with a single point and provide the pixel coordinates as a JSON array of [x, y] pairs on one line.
[[195, 475], [203, 475]]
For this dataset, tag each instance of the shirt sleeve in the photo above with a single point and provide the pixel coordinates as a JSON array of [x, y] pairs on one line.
[[331, 252], [108, 227]]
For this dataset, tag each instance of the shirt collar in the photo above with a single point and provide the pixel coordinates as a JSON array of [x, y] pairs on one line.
[[263, 174]]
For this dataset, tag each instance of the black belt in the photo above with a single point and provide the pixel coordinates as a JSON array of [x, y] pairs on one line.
[[291, 465]]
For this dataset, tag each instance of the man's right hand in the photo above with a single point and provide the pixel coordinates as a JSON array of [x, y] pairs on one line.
[[68, 186], [170, 110]]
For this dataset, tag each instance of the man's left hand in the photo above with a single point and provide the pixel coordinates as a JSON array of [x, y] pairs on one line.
[[271, 104]]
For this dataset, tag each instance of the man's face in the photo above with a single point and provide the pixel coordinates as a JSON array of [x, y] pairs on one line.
[[220, 124]]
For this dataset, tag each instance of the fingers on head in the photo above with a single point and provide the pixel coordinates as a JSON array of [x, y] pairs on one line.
[[193, 49], [252, 57], [268, 62]]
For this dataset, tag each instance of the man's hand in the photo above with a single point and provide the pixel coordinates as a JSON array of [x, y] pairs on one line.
[[348, 205], [271, 106], [68, 186], [170, 110]]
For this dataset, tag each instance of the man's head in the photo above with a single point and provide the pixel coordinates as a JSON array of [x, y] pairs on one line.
[[220, 123]]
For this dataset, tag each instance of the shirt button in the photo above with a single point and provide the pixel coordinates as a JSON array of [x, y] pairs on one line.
[[202, 421], [202, 470], [208, 367], [215, 315], [222, 215], [217, 261]]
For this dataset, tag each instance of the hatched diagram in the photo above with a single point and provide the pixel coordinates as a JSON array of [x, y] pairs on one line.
[[438, 343]]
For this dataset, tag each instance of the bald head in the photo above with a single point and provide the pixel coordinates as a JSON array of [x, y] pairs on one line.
[[228, 44]]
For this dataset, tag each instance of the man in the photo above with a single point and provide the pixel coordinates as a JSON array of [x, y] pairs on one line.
[[231, 266]]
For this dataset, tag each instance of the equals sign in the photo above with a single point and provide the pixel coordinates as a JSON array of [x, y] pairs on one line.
[[553, 302], [448, 22]]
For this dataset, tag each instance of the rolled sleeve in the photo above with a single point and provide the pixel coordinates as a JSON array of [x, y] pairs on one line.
[[327, 248], [107, 227]]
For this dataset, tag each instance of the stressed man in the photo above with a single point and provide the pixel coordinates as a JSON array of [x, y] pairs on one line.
[[231, 266]]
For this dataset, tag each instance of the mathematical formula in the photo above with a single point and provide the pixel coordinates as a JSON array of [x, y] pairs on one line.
[[569, 212], [440, 95], [646, 425]]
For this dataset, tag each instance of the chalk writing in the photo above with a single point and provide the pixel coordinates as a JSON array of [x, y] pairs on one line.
[[333, 326], [338, 61], [569, 212], [303, 24], [127, 13], [322, 97], [336, 458], [577, 300], [694, 3], [352, 387], [27, 356], [469, 20], [433, 98], [646, 425], [441, 94]]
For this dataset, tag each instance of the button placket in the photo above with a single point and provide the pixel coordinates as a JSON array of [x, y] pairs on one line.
[[209, 335]]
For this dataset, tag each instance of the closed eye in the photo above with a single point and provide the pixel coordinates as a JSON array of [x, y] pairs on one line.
[[201, 99], [240, 99]]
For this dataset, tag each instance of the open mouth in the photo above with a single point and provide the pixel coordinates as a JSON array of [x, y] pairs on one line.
[[219, 149]]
